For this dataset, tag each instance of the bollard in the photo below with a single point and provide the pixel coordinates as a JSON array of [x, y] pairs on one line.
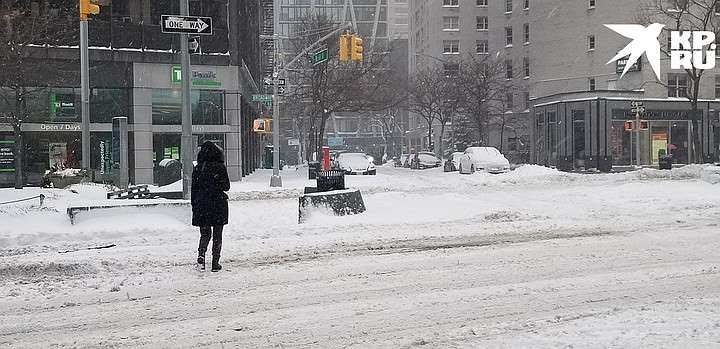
[[326, 158]]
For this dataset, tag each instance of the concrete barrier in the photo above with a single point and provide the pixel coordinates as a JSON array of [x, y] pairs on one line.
[[340, 202]]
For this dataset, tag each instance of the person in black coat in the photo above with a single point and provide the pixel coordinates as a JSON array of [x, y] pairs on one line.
[[209, 201]]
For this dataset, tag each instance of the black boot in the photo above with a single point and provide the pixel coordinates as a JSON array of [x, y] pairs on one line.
[[215, 264], [217, 247], [201, 262]]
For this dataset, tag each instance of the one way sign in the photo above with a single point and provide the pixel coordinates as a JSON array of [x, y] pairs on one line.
[[173, 24]]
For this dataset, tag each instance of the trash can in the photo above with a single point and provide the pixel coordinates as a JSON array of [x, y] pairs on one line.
[[268, 157], [169, 171], [313, 169], [449, 167], [664, 160], [330, 180]]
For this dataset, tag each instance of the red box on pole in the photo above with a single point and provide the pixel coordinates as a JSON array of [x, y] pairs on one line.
[[326, 158]]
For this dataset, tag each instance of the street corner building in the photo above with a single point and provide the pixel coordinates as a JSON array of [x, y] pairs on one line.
[[582, 107], [135, 73]]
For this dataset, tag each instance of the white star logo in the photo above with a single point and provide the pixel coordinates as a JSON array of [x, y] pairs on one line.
[[645, 40]]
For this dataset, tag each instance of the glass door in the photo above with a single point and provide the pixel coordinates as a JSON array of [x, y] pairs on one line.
[[678, 144]]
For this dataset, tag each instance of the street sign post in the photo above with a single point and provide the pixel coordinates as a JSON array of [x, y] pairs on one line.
[[638, 108], [320, 57], [173, 24]]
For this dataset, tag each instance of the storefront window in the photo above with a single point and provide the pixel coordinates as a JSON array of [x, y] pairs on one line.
[[106, 103], [207, 107], [52, 150], [578, 134]]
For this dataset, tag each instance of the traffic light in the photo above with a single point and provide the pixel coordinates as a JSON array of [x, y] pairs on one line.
[[629, 125], [345, 47], [357, 49], [262, 125], [643, 125], [88, 7]]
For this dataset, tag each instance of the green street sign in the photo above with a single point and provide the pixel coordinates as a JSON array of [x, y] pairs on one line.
[[320, 57], [261, 98], [268, 104]]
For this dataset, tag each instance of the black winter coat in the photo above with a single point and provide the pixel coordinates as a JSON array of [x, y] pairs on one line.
[[209, 184]]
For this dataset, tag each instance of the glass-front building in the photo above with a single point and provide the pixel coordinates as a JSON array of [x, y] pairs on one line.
[[52, 134], [600, 132]]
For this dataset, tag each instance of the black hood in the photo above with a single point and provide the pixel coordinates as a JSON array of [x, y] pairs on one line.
[[209, 152]]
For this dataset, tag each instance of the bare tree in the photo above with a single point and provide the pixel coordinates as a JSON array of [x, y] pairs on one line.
[[335, 86], [484, 85], [433, 95], [684, 15], [25, 31], [392, 127]]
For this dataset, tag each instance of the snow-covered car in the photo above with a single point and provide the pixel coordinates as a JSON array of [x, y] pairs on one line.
[[356, 163], [425, 160], [486, 159]]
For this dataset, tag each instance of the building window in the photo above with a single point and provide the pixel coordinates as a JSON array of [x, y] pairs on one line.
[[717, 86], [509, 101], [526, 66], [508, 69], [481, 3], [451, 46], [591, 4], [591, 83], [526, 100], [451, 23], [526, 32], [526, 4], [508, 36], [482, 23], [677, 85], [451, 69], [508, 6], [717, 8], [481, 47], [450, 3], [591, 42]]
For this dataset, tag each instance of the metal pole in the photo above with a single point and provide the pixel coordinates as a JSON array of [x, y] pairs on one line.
[[276, 180], [85, 93], [186, 146], [637, 136]]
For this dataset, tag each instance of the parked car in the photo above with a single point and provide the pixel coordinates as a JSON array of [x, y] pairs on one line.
[[356, 163], [486, 159], [425, 160]]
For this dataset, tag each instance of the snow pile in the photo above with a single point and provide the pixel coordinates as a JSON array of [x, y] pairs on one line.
[[711, 174], [69, 172]]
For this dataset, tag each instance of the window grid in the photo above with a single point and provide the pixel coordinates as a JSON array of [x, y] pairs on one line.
[[481, 23], [526, 32], [451, 46], [508, 6], [677, 85], [451, 23], [591, 42], [508, 69], [481, 47], [508, 36], [451, 3]]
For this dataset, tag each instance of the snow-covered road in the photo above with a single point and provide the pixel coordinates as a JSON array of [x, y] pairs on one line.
[[533, 258]]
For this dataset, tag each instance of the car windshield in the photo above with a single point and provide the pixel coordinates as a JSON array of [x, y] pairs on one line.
[[427, 158]]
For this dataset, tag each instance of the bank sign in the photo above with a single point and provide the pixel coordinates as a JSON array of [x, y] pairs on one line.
[[200, 78], [7, 156], [688, 49]]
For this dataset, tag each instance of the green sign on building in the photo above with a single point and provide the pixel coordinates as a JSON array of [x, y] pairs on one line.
[[200, 78], [7, 156]]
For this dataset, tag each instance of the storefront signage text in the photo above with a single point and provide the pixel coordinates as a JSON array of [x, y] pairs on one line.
[[59, 127], [623, 114], [7, 157], [200, 78]]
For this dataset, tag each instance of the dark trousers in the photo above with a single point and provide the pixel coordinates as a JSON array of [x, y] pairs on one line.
[[205, 234]]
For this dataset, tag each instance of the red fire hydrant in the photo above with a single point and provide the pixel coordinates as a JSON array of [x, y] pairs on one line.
[[326, 158]]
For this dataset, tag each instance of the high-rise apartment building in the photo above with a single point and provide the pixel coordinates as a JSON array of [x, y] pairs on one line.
[[444, 32]]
